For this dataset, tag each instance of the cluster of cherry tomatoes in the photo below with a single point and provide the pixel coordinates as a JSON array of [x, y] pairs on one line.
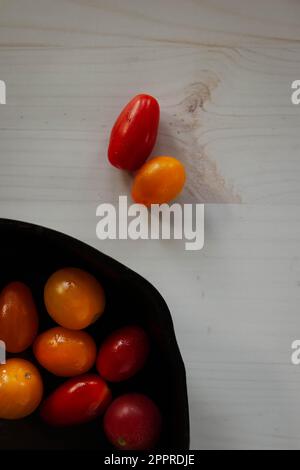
[[132, 140], [74, 299]]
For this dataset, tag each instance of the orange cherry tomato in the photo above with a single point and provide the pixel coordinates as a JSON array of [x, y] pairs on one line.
[[74, 298], [21, 389], [65, 353], [158, 181], [18, 317]]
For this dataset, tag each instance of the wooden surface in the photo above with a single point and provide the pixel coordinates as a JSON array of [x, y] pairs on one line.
[[222, 71]]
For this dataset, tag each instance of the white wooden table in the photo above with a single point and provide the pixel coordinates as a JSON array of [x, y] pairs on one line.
[[222, 71]]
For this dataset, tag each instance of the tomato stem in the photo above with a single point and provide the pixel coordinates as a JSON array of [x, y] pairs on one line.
[[121, 441]]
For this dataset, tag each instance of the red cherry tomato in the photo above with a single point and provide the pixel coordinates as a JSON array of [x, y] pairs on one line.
[[79, 400], [133, 422], [123, 354], [134, 133], [18, 317]]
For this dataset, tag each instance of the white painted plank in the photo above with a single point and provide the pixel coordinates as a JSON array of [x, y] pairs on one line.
[[227, 114]]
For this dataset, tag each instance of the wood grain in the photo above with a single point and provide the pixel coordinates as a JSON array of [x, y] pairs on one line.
[[223, 83]]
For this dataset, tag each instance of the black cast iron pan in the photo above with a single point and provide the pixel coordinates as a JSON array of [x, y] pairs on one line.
[[31, 253]]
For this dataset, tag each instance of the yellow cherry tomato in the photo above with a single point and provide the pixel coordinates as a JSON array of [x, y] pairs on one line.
[[21, 389], [74, 298], [158, 181]]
